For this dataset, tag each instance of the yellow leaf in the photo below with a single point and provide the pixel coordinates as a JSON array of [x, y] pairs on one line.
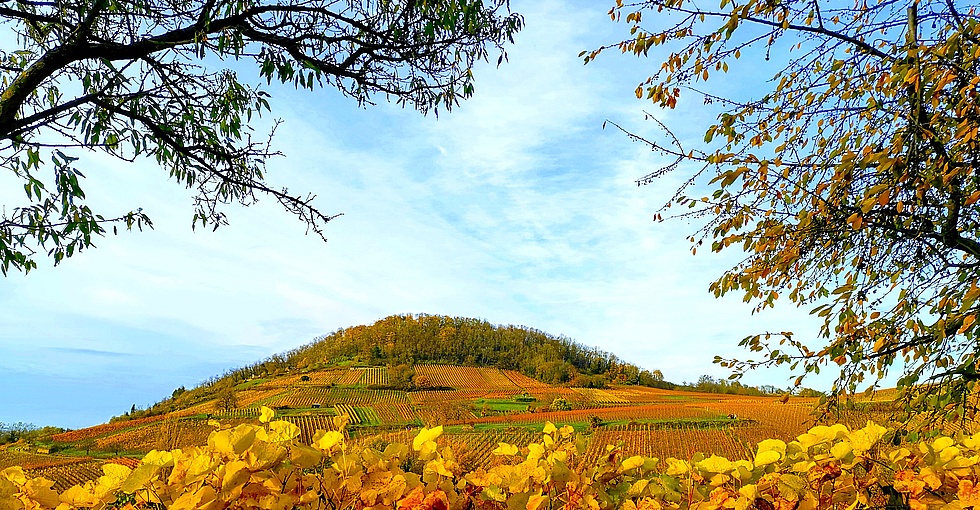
[[438, 465], [505, 449], [281, 431], [39, 490], [14, 474], [715, 464], [139, 478], [340, 421], [864, 439], [266, 414], [261, 455], [328, 440], [767, 457], [841, 450], [426, 435], [637, 488], [535, 451], [115, 475], [549, 428], [677, 467], [632, 463], [159, 458], [303, 456], [772, 445], [235, 476], [537, 501], [79, 497], [235, 440]]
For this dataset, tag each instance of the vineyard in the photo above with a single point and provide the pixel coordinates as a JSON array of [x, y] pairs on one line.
[[437, 397], [395, 414], [375, 376], [256, 397], [475, 449], [309, 424], [484, 408], [167, 434], [307, 397], [102, 430], [651, 441], [466, 378], [594, 397], [670, 412], [524, 382], [36, 461], [67, 475]]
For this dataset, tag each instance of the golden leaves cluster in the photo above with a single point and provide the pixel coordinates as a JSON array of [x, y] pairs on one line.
[[263, 466]]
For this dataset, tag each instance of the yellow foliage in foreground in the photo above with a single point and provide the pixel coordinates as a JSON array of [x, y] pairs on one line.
[[264, 466]]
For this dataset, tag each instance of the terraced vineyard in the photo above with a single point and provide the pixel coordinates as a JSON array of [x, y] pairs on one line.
[[102, 430], [481, 407], [466, 378], [36, 460]]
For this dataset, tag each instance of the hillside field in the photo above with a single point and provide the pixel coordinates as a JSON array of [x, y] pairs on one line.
[[478, 406]]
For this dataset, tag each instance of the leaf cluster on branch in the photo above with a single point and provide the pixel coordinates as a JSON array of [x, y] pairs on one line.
[[158, 80], [848, 176]]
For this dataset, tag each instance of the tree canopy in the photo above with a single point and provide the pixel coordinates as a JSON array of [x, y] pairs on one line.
[[849, 177], [156, 80]]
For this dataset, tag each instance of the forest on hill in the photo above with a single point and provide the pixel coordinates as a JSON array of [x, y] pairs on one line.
[[411, 339], [399, 344]]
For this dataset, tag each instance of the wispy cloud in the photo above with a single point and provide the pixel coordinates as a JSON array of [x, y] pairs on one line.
[[516, 207]]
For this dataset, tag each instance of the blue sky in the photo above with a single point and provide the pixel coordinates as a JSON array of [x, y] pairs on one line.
[[517, 207]]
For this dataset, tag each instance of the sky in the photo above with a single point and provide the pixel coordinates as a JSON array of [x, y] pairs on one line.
[[517, 207]]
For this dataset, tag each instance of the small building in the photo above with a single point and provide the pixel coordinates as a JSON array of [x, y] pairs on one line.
[[316, 405]]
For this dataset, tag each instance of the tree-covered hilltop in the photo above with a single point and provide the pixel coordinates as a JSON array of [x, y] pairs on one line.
[[411, 339], [402, 341]]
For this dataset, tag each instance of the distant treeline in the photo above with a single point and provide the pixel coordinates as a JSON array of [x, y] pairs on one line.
[[13, 432]]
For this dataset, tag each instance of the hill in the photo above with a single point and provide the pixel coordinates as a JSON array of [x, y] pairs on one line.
[[485, 383], [413, 339]]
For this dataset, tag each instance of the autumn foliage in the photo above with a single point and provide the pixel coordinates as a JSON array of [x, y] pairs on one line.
[[264, 466], [844, 166]]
